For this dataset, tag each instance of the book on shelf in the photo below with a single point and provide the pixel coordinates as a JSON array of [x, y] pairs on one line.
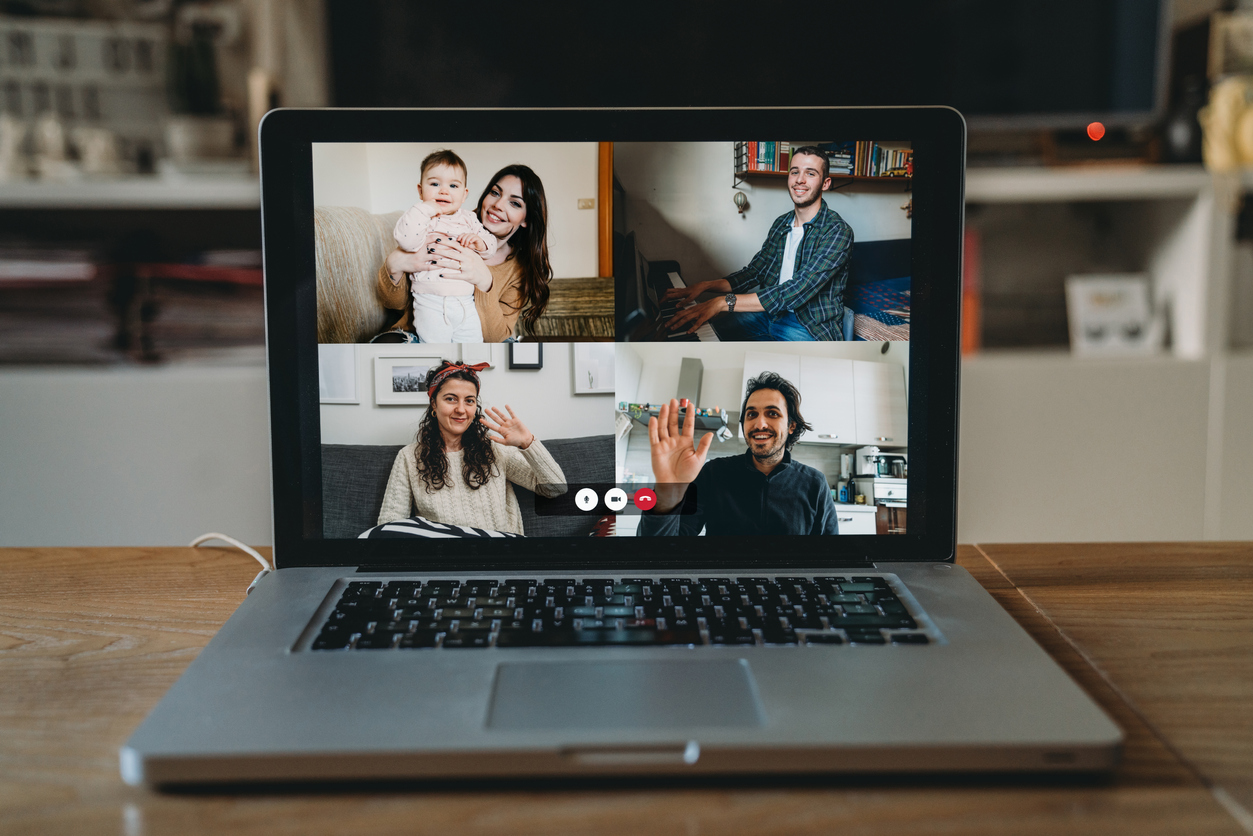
[[972, 292], [861, 158], [766, 155], [865, 158]]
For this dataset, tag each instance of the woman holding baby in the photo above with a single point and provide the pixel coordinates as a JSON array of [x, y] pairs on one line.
[[504, 261]]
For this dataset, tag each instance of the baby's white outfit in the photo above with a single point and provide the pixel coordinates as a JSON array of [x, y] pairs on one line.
[[443, 309]]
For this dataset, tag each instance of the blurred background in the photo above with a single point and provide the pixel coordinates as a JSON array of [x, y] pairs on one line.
[[1108, 292]]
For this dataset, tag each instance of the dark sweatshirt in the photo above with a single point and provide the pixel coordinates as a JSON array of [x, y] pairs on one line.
[[734, 497]]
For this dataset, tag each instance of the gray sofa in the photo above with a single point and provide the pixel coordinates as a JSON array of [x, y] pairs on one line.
[[354, 478]]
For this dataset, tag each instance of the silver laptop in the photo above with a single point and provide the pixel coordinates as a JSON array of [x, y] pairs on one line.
[[614, 442]]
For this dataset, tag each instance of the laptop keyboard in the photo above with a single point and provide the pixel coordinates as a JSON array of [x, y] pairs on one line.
[[565, 612]]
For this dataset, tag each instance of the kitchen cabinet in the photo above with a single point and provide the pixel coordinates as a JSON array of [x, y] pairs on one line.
[[756, 362], [827, 400], [881, 404], [855, 519], [890, 518], [848, 402]]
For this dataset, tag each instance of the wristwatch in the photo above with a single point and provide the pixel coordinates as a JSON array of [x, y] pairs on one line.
[[730, 297]]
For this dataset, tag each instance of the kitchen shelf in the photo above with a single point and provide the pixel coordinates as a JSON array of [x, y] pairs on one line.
[[703, 422]]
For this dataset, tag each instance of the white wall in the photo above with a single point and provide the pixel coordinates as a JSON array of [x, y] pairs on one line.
[[133, 457], [679, 203], [544, 399], [658, 376], [341, 174], [383, 177]]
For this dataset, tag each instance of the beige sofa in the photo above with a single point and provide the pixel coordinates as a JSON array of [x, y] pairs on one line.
[[350, 245]]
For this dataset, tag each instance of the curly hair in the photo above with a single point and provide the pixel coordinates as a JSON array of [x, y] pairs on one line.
[[791, 397], [478, 460], [529, 244]]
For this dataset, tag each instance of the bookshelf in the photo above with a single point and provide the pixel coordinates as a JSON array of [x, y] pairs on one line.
[[768, 160]]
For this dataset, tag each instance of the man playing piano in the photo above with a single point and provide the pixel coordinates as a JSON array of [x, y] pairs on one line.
[[798, 275]]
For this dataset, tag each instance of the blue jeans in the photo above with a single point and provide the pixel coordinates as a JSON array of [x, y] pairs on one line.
[[760, 326]]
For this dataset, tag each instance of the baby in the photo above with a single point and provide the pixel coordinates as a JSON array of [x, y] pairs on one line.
[[443, 309]]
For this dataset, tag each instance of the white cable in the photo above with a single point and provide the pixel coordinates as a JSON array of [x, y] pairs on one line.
[[266, 568]]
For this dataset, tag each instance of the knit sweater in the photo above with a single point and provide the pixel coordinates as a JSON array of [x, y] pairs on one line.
[[492, 506]]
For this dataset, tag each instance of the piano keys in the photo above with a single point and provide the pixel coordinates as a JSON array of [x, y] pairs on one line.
[[659, 283]]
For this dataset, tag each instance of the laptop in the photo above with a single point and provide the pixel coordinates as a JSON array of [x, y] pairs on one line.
[[693, 557]]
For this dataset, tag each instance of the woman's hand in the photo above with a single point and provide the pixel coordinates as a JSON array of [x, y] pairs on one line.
[[400, 262], [676, 461], [454, 261], [506, 430]]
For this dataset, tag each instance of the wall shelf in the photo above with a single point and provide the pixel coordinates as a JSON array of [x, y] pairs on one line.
[[139, 192], [842, 179], [1039, 184]]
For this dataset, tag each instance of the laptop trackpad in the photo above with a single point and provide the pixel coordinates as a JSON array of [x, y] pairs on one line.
[[623, 695]]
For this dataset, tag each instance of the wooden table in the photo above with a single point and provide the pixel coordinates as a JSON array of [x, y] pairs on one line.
[[1160, 635]]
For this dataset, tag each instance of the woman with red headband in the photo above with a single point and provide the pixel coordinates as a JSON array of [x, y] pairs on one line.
[[459, 469]]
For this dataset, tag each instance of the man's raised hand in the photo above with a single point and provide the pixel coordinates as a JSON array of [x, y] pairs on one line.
[[676, 463]]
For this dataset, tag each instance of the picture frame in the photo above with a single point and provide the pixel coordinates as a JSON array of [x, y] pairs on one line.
[[526, 355], [400, 379], [337, 374], [1112, 314], [593, 368], [472, 353]]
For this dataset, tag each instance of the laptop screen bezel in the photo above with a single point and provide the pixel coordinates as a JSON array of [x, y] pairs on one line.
[[937, 135]]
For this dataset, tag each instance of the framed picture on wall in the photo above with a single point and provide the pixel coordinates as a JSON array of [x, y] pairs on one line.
[[526, 355], [472, 353], [401, 378], [593, 368], [337, 374]]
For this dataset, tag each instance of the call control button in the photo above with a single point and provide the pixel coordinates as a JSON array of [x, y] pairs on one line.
[[615, 499], [645, 499], [586, 499]]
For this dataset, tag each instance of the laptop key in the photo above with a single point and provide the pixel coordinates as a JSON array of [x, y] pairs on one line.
[[418, 639], [865, 637], [909, 638], [468, 639]]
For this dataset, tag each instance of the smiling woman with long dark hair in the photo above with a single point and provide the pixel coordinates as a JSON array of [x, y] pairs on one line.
[[511, 283], [460, 468]]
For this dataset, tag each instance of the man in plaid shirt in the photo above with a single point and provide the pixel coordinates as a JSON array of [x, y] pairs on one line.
[[799, 275]]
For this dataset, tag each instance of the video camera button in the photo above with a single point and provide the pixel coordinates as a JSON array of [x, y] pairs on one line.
[[615, 499]]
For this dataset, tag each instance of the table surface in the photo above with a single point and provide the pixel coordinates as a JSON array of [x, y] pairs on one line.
[[1161, 635]]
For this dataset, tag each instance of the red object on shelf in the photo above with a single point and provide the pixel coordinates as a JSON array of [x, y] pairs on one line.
[[972, 291], [201, 273]]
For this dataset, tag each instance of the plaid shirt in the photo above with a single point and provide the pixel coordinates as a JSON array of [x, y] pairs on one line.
[[816, 290]]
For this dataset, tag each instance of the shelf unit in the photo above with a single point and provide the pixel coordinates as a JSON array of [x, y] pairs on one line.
[[842, 179], [1186, 226], [138, 192], [1061, 447], [742, 173]]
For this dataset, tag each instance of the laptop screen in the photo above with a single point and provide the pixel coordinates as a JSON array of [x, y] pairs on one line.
[[535, 344]]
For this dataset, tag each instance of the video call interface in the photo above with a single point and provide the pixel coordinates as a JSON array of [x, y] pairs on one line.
[[708, 339]]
